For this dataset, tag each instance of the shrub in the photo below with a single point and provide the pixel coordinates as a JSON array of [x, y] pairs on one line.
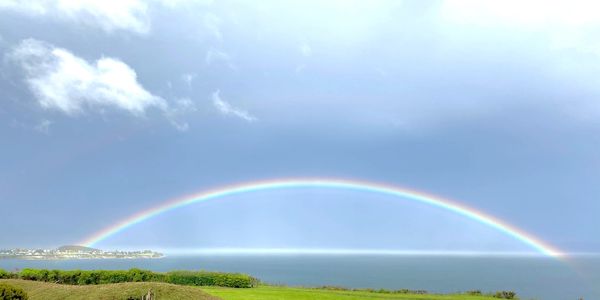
[[407, 291], [137, 275], [370, 290], [473, 292], [203, 278], [333, 288], [114, 276], [4, 274], [54, 276], [30, 274], [505, 295], [9, 292], [79, 277]]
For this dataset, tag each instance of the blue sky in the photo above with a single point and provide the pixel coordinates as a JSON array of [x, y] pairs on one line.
[[107, 109]]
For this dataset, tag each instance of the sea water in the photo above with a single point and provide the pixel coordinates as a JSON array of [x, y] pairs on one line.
[[531, 277]]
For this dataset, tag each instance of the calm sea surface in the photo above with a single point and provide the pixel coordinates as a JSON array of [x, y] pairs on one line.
[[530, 277]]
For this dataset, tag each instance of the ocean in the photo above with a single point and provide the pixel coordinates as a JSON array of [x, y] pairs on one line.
[[531, 277]]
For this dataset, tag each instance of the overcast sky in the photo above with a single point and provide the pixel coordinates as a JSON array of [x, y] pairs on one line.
[[111, 107]]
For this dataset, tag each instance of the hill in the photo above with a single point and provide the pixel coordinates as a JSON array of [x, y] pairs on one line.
[[164, 291], [77, 248]]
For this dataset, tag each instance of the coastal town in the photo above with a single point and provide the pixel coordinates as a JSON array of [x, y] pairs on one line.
[[75, 252]]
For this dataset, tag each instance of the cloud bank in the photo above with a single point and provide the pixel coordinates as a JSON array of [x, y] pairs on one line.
[[64, 82]]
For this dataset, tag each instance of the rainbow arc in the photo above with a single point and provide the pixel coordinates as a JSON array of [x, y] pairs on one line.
[[404, 193]]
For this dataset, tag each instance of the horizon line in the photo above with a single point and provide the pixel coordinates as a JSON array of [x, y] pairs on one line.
[[346, 251]]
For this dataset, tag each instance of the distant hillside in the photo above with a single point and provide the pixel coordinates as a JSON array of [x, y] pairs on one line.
[[76, 248]]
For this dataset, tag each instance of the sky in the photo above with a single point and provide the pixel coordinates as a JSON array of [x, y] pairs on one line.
[[108, 108]]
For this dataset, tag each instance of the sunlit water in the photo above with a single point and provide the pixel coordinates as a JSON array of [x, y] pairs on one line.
[[530, 277]]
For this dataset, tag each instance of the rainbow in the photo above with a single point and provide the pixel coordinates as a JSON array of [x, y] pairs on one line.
[[461, 209]]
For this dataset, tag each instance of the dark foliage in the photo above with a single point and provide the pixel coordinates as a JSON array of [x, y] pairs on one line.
[[474, 292], [201, 278], [505, 295], [9, 292]]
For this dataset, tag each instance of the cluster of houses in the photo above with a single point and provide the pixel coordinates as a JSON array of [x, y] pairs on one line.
[[75, 252]]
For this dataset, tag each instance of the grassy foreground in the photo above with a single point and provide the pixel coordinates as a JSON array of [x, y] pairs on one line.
[[165, 291], [48, 291], [293, 293]]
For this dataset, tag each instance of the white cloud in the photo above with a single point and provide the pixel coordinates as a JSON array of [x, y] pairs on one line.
[[531, 13], [67, 83], [188, 78], [306, 50], [176, 113], [184, 3], [32, 7], [214, 56], [109, 15], [566, 25], [43, 126], [227, 109], [186, 104], [213, 23], [179, 125]]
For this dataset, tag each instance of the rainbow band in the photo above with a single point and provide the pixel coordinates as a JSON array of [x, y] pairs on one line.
[[450, 205]]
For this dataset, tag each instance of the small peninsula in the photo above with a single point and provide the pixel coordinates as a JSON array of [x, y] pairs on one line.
[[75, 252]]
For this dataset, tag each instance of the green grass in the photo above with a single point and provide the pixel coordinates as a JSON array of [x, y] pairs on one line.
[[293, 293], [163, 291]]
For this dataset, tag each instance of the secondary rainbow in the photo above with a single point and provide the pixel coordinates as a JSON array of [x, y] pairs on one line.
[[450, 205]]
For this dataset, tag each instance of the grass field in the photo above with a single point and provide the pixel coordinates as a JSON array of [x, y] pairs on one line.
[[164, 291], [275, 292]]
